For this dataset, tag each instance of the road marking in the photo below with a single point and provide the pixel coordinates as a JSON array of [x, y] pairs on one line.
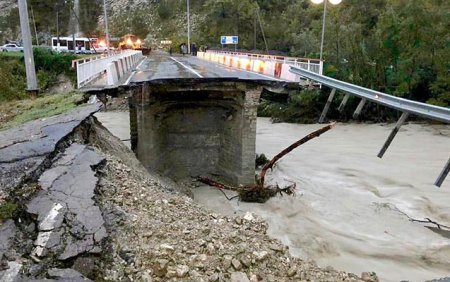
[[188, 68], [48, 223], [129, 78], [134, 72], [140, 64], [252, 72]]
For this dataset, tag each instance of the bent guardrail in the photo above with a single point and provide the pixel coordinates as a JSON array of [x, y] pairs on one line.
[[406, 106], [421, 109]]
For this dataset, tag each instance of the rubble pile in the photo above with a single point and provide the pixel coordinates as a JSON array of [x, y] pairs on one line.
[[165, 236]]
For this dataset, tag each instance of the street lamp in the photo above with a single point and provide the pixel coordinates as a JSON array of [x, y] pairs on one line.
[[334, 2]]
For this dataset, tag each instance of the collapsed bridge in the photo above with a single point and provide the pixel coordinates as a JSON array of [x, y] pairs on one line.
[[191, 116]]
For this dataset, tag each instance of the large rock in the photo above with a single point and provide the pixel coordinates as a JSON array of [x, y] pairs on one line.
[[66, 274], [7, 233], [239, 277]]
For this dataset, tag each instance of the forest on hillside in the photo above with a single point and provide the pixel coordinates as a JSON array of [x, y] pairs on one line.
[[400, 47]]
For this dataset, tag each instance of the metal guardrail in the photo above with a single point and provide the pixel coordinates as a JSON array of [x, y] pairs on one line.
[[401, 104], [291, 60], [406, 106], [90, 70], [273, 66]]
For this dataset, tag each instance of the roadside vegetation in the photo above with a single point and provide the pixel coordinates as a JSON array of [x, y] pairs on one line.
[[13, 113], [52, 69], [307, 105], [49, 67]]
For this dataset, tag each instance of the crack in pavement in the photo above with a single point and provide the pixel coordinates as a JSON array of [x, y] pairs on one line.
[[70, 182]]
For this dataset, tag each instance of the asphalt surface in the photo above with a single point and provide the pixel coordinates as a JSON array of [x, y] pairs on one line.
[[160, 65], [24, 149]]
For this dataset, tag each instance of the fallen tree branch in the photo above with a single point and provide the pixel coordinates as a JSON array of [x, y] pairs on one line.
[[216, 184], [259, 193], [429, 221], [305, 139]]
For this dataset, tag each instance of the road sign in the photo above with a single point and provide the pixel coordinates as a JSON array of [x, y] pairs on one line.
[[229, 40]]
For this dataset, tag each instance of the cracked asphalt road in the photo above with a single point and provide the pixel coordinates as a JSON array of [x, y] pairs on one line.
[[24, 148]]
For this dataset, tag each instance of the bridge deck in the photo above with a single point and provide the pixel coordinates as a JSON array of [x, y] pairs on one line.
[[162, 66]]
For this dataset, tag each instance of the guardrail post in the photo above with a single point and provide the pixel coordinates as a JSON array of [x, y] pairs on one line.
[[117, 67], [111, 74], [344, 102], [359, 108], [327, 106], [391, 136], [78, 76], [443, 174]]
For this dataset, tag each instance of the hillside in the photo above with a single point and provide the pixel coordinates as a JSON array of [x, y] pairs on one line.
[[396, 46]]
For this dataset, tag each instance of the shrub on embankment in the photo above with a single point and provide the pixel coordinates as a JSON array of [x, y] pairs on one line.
[[49, 65]]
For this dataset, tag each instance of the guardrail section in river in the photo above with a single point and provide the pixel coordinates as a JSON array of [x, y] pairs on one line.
[[406, 106]]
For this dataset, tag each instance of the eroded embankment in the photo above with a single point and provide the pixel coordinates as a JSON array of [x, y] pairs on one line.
[[87, 209]]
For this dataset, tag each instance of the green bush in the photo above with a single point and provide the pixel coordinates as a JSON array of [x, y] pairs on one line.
[[8, 210], [48, 65], [12, 79], [53, 64], [304, 107]]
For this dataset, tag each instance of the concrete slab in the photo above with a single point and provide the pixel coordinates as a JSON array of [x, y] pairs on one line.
[[160, 65]]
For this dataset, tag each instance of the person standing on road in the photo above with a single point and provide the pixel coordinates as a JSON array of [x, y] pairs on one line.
[[183, 49], [194, 49]]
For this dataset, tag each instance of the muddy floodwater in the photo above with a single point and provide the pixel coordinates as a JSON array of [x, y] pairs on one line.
[[352, 209]]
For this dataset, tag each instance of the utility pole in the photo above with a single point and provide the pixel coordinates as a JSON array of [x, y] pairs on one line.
[[106, 26], [189, 28], [32, 87]]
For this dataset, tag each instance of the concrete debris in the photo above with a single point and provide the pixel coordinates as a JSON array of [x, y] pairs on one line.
[[66, 274], [93, 99], [249, 216], [239, 277], [7, 234], [11, 274]]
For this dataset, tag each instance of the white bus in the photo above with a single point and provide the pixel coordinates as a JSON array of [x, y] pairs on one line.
[[82, 45]]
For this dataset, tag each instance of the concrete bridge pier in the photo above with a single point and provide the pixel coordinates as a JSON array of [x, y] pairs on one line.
[[203, 127]]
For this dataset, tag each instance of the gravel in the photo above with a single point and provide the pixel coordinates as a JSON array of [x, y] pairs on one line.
[[165, 236]]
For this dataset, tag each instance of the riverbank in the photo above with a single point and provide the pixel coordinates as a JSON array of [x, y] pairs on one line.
[[351, 209]]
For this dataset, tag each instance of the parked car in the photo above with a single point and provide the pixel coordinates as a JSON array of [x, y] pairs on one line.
[[11, 48]]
